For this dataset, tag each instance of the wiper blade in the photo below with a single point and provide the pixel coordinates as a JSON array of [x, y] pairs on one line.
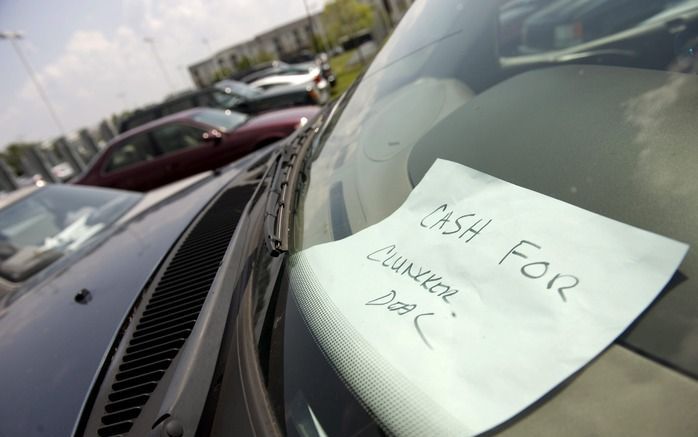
[[284, 188]]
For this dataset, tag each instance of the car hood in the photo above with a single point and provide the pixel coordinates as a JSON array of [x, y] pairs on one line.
[[284, 90], [286, 79], [53, 347], [278, 118]]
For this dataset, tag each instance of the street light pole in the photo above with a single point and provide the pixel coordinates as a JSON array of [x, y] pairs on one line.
[[207, 44], [13, 36], [186, 81], [158, 60], [321, 31], [312, 26]]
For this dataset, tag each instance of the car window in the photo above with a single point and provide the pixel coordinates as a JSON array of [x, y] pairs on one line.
[[240, 89], [588, 102], [131, 151], [294, 71], [178, 105], [174, 137], [140, 118], [38, 229], [273, 85], [204, 99], [224, 120], [224, 100]]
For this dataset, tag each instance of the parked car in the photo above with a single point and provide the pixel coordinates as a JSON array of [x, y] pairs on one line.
[[39, 226], [187, 143], [251, 100], [323, 61], [299, 57], [298, 75], [268, 69], [205, 318], [320, 62], [59, 323], [293, 75], [228, 94], [320, 59], [240, 75], [63, 171]]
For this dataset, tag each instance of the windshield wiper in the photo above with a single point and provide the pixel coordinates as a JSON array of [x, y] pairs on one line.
[[284, 188]]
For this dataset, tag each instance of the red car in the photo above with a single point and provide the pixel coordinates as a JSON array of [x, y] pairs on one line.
[[187, 143]]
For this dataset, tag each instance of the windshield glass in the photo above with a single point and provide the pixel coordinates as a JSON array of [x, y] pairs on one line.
[[40, 228], [223, 120], [589, 102], [535, 26], [225, 100], [238, 88]]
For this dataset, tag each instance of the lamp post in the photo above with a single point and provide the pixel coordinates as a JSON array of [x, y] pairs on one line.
[[321, 30], [312, 26], [158, 60], [207, 44], [185, 77], [13, 37]]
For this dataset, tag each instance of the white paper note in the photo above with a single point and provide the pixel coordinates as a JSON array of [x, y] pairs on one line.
[[484, 295]]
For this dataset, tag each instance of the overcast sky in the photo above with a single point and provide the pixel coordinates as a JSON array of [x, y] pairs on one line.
[[92, 61]]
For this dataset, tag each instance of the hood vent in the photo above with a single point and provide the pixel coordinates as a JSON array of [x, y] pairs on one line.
[[167, 315]]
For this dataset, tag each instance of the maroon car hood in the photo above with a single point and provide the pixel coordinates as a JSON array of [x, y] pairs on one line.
[[281, 117]]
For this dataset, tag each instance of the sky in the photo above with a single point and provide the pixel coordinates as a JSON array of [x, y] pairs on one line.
[[92, 60]]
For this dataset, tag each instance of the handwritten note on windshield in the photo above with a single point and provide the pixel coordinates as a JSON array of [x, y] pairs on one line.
[[485, 295]]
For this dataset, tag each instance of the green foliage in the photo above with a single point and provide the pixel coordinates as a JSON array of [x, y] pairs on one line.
[[13, 156], [265, 57], [244, 63], [345, 73], [346, 18], [319, 45], [222, 73]]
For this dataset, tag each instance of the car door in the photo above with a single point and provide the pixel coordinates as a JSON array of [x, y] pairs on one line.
[[184, 152], [132, 165]]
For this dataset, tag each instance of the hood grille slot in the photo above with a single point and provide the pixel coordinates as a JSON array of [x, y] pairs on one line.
[[170, 313]]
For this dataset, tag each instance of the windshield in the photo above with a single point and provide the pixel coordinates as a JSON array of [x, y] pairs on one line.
[[223, 120], [40, 228], [586, 101], [535, 26], [238, 88]]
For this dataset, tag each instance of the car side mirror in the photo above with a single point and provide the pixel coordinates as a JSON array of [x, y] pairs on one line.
[[213, 137]]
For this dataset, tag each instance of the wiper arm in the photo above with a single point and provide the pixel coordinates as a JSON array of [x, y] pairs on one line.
[[284, 189]]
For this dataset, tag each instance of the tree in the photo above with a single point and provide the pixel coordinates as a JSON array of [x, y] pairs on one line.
[[244, 63], [221, 73], [345, 19], [264, 57], [320, 45], [13, 156]]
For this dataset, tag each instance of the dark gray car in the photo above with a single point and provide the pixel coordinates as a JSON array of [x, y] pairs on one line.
[[227, 94], [208, 318]]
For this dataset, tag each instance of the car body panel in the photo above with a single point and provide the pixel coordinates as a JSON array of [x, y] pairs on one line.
[[54, 346], [272, 119], [254, 133], [314, 74], [279, 97], [274, 98]]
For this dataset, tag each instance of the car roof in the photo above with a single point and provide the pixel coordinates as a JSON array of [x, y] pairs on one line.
[[187, 114], [182, 95]]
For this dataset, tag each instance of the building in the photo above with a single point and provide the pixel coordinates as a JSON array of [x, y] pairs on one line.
[[288, 40], [279, 43]]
